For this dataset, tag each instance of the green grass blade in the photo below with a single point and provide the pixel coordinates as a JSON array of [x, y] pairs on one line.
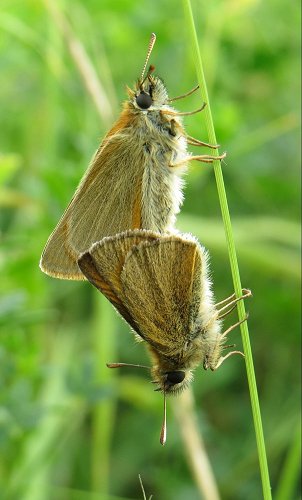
[[233, 259], [291, 469]]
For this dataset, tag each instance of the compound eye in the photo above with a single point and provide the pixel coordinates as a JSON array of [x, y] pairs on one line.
[[143, 100], [175, 377]]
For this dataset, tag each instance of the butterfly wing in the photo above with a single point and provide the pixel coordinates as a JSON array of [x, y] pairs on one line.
[[103, 263], [162, 289], [106, 202]]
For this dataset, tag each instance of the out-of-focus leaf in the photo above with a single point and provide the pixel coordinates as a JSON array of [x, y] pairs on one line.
[[9, 164]]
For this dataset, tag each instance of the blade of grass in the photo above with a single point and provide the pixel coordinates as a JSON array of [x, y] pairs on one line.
[[233, 259], [83, 63], [291, 469], [63, 414], [184, 409]]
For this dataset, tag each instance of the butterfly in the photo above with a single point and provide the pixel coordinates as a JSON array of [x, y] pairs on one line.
[[160, 284], [134, 180]]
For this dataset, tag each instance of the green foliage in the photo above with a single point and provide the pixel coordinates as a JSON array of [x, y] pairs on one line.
[[70, 428]]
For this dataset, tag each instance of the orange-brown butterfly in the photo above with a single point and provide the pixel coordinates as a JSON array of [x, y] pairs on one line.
[[133, 180], [160, 285]]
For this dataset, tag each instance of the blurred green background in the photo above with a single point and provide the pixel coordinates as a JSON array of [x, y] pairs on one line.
[[69, 427]]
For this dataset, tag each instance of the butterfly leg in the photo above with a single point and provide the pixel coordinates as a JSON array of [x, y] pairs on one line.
[[228, 299], [184, 95], [202, 158], [232, 327], [223, 358], [173, 129], [169, 112], [231, 303], [196, 142]]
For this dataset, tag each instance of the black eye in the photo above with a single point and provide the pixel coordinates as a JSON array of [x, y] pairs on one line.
[[144, 100], [175, 377]]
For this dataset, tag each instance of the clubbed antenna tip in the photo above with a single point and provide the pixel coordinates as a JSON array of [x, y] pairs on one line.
[[150, 48]]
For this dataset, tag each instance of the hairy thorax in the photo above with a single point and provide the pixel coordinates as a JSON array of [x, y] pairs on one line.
[[163, 145]]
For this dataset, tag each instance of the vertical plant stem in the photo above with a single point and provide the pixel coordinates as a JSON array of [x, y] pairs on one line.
[[233, 259], [290, 474]]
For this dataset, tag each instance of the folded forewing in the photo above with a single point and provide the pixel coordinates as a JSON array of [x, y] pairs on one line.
[[107, 202]]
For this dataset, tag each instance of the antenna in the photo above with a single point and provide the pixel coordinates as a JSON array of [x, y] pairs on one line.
[[121, 365], [150, 48], [163, 432]]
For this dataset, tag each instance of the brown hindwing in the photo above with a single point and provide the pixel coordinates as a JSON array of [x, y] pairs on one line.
[[158, 281]]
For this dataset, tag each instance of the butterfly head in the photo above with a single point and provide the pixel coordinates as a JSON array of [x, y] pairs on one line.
[[171, 381], [150, 92], [149, 95]]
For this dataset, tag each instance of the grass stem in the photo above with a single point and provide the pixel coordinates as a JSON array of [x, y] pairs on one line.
[[291, 469], [184, 409], [233, 258]]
